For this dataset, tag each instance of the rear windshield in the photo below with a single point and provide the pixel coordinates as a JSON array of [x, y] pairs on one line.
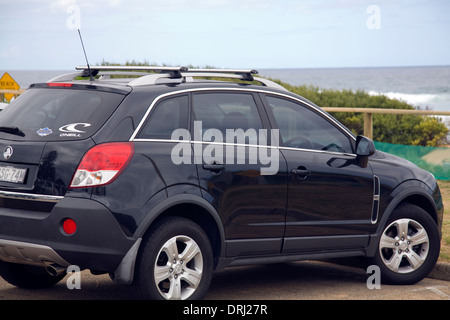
[[52, 114]]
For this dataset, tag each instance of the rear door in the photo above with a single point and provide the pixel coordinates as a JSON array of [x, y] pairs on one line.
[[240, 172]]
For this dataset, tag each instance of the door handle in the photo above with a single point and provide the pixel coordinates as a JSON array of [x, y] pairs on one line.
[[214, 167], [301, 172]]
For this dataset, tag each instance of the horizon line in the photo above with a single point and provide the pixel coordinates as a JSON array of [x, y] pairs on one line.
[[257, 68]]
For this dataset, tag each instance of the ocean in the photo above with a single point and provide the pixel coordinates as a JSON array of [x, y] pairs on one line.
[[423, 87]]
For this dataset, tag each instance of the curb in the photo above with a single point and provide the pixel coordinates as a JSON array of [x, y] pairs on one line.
[[441, 271]]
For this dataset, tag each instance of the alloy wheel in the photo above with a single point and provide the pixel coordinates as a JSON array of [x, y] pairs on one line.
[[178, 268], [404, 246]]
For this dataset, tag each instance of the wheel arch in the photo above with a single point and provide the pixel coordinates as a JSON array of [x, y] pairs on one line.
[[423, 202], [191, 207], [412, 195]]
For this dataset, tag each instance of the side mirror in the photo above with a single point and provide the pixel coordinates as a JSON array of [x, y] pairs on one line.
[[364, 147]]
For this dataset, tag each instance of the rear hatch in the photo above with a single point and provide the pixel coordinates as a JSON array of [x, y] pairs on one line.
[[45, 133]]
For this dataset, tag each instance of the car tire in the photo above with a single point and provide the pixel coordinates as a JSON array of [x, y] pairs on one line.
[[408, 247], [175, 262], [28, 277]]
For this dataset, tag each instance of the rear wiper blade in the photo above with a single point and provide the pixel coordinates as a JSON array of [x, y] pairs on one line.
[[13, 130]]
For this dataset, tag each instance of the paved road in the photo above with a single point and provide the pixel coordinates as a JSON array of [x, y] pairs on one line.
[[293, 281]]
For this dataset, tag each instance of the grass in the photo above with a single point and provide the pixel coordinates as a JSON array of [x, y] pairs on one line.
[[445, 243]]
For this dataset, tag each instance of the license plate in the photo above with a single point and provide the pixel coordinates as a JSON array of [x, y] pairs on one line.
[[11, 174]]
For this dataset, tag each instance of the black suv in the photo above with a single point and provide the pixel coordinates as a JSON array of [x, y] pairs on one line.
[[159, 179]]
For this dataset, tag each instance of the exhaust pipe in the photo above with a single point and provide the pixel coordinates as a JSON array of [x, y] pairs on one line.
[[55, 269]]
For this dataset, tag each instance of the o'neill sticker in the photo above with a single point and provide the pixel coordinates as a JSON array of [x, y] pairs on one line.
[[71, 130]]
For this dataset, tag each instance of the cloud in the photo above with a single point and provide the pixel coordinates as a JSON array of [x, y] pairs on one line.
[[12, 51]]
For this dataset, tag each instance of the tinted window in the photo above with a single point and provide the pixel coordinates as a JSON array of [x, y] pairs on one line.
[[167, 116], [58, 114], [301, 127], [224, 111]]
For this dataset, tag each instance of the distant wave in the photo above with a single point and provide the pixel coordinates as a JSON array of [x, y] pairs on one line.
[[421, 100], [415, 99]]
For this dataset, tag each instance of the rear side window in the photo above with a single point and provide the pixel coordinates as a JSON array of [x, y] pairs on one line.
[[57, 114], [168, 115]]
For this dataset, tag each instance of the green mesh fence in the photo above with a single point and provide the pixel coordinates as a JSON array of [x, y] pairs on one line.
[[435, 160]]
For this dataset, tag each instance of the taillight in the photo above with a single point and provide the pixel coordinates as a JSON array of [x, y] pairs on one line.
[[102, 164]]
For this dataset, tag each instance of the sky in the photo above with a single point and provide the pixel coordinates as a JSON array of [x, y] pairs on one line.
[[42, 34]]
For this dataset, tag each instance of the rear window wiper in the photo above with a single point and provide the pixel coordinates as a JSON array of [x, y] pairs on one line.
[[13, 130]]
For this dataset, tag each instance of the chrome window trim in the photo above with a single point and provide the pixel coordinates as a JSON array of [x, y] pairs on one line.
[[208, 142], [244, 90], [236, 144], [161, 140], [321, 151], [247, 145]]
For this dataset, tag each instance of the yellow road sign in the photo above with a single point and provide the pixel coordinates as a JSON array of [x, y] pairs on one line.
[[8, 83]]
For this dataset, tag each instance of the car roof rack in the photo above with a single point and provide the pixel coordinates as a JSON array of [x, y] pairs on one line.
[[150, 75]]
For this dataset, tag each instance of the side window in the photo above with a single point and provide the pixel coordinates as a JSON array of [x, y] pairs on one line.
[[302, 128], [224, 111], [167, 116]]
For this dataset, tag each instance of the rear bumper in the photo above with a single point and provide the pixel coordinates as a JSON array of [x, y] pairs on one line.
[[29, 253], [36, 237]]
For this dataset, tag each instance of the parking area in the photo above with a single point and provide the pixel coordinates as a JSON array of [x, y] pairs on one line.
[[312, 280]]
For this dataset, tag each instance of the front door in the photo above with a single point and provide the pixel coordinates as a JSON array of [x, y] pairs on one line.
[[330, 195]]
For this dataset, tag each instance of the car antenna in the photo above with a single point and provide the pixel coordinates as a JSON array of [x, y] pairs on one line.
[[85, 55]]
